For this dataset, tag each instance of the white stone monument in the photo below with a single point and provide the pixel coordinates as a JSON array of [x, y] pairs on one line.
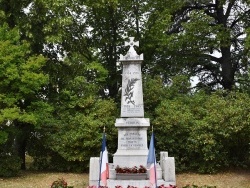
[[132, 126], [132, 130], [132, 96]]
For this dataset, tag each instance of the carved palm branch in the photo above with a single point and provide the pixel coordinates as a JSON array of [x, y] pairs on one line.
[[129, 90]]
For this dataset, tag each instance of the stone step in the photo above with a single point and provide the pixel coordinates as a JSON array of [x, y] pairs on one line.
[[136, 183]]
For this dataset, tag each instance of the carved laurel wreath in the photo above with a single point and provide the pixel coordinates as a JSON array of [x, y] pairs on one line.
[[129, 90]]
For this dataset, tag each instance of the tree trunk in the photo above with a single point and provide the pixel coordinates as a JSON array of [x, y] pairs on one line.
[[23, 132], [21, 153], [227, 69]]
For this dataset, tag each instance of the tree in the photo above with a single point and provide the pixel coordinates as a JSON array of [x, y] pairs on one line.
[[21, 81], [105, 18], [73, 135], [111, 22], [75, 77], [199, 38], [203, 131]]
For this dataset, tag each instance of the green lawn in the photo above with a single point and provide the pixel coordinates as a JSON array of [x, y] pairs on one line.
[[30, 179]]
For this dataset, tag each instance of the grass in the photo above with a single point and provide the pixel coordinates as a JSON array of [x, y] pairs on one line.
[[230, 179], [31, 179]]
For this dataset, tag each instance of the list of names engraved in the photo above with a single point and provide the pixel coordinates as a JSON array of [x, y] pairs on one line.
[[131, 139]]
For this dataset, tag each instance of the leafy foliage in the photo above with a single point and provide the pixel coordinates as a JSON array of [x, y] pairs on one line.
[[21, 81], [58, 105], [60, 183], [197, 38], [10, 164], [73, 133], [209, 127]]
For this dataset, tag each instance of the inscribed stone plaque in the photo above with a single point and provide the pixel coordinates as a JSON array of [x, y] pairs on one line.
[[132, 139], [132, 96]]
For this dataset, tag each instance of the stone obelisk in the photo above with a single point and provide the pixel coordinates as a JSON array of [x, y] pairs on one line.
[[132, 126]]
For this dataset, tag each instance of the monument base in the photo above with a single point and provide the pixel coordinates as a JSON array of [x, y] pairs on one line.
[[132, 142], [123, 158], [125, 176], [165, 174], [136, 183]]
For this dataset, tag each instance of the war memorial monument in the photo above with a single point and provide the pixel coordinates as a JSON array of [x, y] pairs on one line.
[[132, 145]]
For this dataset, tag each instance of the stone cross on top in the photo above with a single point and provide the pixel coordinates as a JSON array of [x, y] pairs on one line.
[[131, 43], [131, 54]]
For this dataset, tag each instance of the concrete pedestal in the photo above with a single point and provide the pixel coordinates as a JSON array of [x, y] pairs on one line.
[[165, 176], [132, 142]]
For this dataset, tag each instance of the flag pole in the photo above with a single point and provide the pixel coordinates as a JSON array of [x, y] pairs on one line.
[[99, 182], [154, 158]]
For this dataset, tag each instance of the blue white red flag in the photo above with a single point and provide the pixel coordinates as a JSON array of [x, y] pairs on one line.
[[151, 162], [104, 170]]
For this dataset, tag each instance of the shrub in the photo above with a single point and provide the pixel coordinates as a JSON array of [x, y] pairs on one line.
[[205, 133], [10, 164], [60, 183], [46, 159]]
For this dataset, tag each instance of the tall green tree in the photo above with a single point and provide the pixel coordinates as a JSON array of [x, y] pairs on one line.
[[106, 21], [76, 81], [75, 78], [199, 38], [20, 90], [111, 22], [79, 116]]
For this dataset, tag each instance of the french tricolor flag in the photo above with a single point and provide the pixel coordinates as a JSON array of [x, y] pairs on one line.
[[104, 170], [151, 162]]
